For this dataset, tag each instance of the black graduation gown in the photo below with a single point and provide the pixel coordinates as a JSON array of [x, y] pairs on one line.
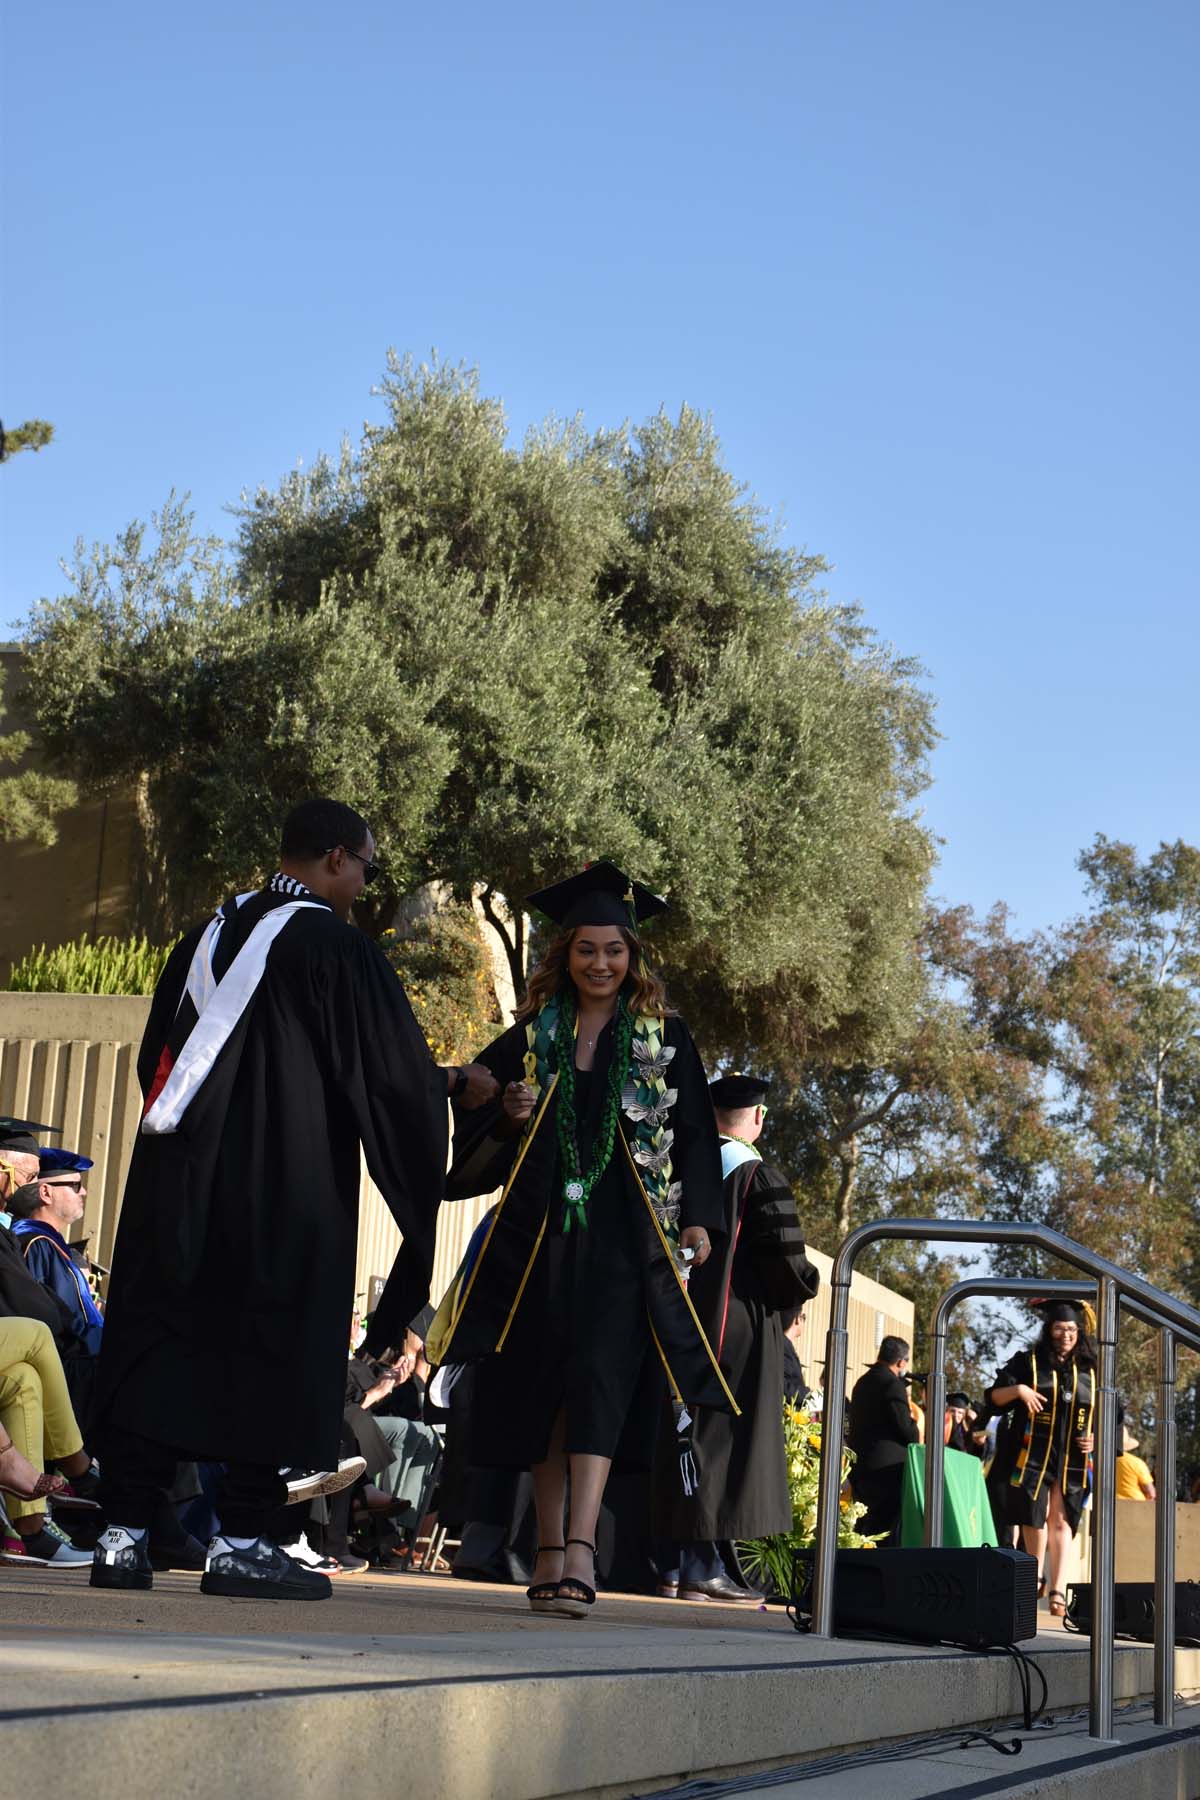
[[740, 1293], [1041, 1450], [233, 1268], [572, 1320]]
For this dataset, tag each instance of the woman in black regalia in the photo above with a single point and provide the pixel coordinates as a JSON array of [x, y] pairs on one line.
[[605, 1144], [1047, 1465]]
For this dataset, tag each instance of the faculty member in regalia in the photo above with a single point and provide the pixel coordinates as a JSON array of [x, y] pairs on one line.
[[279, 1042], [606, 1147], [743, 1296], [1047, 1466]]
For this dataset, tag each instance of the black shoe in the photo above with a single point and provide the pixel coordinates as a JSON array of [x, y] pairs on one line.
[[260, 1572], [720, 1588], [185, 1552], [121, 1561]]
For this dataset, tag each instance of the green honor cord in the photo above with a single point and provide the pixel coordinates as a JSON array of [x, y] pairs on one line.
[[577, 1185]]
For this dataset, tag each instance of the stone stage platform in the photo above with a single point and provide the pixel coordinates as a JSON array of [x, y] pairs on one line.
[[453, 1691]]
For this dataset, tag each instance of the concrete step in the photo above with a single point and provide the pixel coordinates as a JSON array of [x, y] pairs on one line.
[[465, 1696]]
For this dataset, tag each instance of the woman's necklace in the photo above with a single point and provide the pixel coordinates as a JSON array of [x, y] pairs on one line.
[[578, 1183]]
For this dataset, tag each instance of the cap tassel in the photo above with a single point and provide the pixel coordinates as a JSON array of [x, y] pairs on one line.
[[689, 1474]]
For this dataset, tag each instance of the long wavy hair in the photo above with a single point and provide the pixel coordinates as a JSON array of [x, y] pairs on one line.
[[644, 991]]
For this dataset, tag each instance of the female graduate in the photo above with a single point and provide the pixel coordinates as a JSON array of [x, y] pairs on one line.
[[606, 1146], [1049, 1462]]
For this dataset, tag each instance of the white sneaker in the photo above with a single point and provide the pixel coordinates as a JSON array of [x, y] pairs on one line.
[[301, 1551], [307, 1484]]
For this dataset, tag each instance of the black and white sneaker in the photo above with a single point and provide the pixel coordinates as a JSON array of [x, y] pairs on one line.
[[121, 1560], [260, 1571], [307, 1484]]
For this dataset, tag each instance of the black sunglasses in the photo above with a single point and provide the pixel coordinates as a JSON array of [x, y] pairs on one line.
[[56, 1181], [370, 869]]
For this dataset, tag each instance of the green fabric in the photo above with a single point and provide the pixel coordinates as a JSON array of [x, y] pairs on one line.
[[966, 1513]]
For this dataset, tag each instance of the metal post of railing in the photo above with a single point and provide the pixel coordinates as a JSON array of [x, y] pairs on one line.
[[1164, 1535], [935, 1443], [833, 1427], [980, 1287], [1104, 1513]]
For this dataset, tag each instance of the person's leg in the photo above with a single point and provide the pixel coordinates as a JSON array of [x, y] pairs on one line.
[[251, 1502], [1033, 1542], [21, 1417], [549, 1499], [589, 1475], [1058, 1543]]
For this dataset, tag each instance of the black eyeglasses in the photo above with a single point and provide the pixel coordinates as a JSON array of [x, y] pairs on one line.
[[77, 1184], [370, 869]]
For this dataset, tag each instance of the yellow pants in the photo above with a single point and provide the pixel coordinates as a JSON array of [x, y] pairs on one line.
[[35, 1408]]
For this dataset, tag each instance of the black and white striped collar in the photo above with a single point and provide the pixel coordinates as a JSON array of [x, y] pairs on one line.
[[287, 884]]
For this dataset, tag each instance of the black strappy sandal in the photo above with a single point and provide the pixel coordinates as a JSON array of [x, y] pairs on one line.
[[579, 1604], [542, 1593]]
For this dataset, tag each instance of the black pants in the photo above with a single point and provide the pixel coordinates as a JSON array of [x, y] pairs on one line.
[[136, 1475], [879, 1491]]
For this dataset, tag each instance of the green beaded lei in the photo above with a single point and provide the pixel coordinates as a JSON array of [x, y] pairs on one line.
[[636, 1085]]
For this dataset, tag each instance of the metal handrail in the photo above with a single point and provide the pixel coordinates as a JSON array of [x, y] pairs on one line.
[[1000, 1287], [1114, 1283]]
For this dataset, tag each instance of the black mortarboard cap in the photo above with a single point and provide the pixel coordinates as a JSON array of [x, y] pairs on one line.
[[56, 1162], [732, 1092], [601, 894], [81, 1245], [958, 1398], [19, 1135]]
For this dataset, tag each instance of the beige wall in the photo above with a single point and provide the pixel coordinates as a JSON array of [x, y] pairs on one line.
[[78, 885], [70, 1059]]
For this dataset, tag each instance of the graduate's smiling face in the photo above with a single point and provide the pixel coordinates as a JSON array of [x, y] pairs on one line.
[[598, 961]]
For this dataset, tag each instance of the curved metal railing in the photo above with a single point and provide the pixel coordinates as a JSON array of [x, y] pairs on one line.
[[1175, 1322]]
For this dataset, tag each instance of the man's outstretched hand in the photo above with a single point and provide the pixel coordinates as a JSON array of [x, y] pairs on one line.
[[482, 1086]]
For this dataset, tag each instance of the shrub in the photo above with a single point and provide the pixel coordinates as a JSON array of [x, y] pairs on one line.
[[103, 965]]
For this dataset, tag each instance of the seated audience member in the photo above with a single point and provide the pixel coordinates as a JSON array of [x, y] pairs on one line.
[[1134, 1480], [880, 1430], [38, 1424], [20, 1157], [43, 1212]]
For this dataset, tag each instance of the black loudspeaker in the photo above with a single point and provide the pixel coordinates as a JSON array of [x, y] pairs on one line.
[[973, 1597], [1133, 1611]]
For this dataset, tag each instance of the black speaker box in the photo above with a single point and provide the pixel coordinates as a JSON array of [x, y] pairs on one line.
[[1133, 1611], [973, 1597]]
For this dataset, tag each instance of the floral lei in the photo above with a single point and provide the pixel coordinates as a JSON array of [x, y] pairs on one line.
[[645, 1099]]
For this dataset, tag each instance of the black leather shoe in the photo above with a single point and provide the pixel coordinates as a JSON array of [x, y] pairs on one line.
[[720, 1588], [260, 1572], [119, 1561]]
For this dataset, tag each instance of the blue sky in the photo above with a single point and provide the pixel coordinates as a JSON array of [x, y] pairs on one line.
[[931, 267]]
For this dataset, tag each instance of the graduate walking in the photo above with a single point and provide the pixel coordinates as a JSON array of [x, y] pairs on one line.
[[279, 1042], [575, 1306]]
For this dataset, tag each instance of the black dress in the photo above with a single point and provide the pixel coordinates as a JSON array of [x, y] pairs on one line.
[[582, 1321], [1042, 1449]]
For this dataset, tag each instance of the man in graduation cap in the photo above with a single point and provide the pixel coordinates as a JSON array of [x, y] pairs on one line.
[[44, 1211], [744, 1296], [279, 1044], [19, 1156]]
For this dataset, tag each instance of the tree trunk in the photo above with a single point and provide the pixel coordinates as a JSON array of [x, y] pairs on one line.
[[848, 1158]]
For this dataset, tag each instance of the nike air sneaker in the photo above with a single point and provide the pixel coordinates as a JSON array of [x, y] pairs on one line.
[[259, 1570], [121, 1560]]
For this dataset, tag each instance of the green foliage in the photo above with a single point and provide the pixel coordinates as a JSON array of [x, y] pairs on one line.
[[446, 970], [30, 799], [513, 660], [768, 1560], [34, 434], [103, 965]]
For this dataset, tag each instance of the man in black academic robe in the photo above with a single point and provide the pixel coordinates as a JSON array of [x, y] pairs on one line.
[[744, 1295], [279, 1042]]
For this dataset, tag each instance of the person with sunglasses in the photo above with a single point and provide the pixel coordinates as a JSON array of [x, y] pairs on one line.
[[43, 1212], [279, 1055]]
